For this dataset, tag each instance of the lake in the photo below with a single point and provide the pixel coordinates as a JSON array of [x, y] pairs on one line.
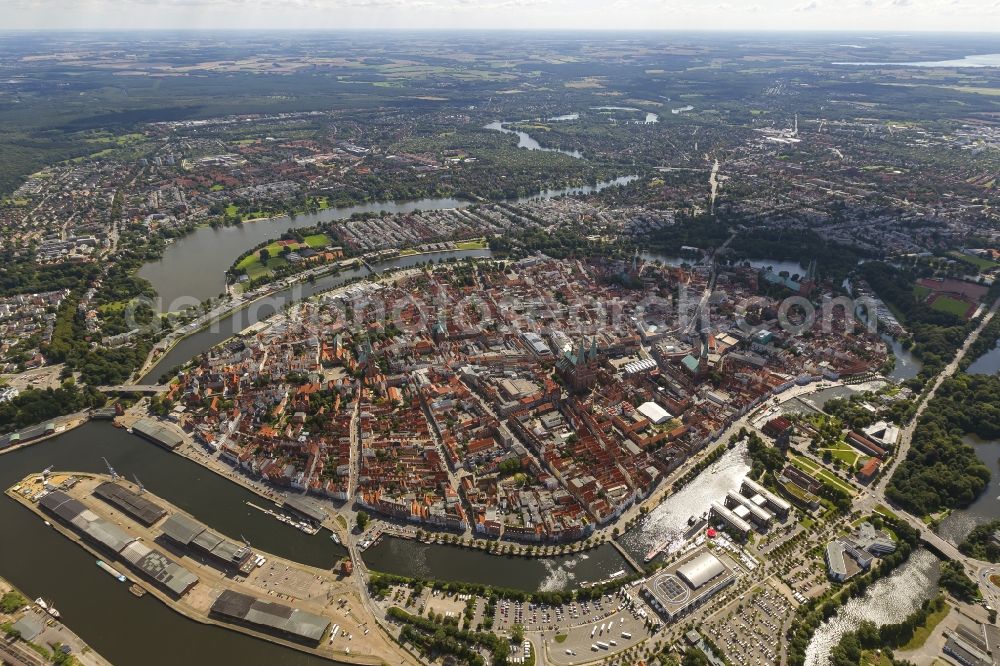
[[981, 60]]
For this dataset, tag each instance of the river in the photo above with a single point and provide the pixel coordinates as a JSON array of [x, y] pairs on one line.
[[524, 140], [907, 365], [230, 325], [193, 267], [123, 628], [776, 265], [887, 601], [669, 520], [443, 562]]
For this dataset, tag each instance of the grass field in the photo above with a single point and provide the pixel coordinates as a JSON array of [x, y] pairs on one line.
[[885, 511], [114, 306], [920, 292], [846, 454], [950, 305], [981, 263], [822, 474]]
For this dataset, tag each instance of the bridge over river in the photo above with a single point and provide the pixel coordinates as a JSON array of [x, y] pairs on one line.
[[134, 388]]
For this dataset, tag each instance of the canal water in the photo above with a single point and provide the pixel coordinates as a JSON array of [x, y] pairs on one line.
[[775, 265], [404, 557], [123, 628], [908, 366], [668, 522], [887, 601]]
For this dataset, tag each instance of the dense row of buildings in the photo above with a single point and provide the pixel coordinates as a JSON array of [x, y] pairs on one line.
[[534, 401]]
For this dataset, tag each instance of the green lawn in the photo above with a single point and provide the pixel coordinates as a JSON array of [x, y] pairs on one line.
[[846, 454], [950, 305], [478, 244], [981, 263], [317, 240], [251, 263], [885, 511], [920, 292], [258, 269], [114, 306], [822, 474]]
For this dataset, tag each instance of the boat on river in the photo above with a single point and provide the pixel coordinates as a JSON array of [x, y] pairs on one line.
[[111, 570], [47, 607]]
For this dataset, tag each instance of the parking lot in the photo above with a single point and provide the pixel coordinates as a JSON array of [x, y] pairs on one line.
[[539, 617], [750, 630]]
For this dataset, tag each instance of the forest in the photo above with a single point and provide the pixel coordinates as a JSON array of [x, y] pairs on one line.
[[33, 406], [941, 471]]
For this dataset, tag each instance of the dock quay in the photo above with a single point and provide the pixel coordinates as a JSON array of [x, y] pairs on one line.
[[304, 526]]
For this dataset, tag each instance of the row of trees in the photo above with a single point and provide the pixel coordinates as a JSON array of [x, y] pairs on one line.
[[869, 636]]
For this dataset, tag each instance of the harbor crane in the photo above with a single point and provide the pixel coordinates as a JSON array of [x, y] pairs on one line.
[[142, 488], [111, 470]]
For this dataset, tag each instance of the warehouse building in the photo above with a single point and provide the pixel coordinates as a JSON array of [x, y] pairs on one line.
[[761, 496], [306, 508], [159, 568], [134, 504], [270, 617], [733, 522], [189, 533], [152, 564], [158, 433], [75, 514], [746, 509]]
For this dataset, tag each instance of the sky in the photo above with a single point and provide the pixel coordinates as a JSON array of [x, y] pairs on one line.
[[880, 15]]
